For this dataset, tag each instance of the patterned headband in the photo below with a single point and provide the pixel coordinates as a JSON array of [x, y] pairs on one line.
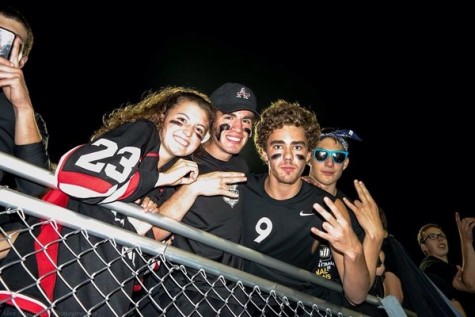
[[342, 135]]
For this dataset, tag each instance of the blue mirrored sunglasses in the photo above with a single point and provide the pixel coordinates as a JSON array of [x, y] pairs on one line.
[[338, 156]]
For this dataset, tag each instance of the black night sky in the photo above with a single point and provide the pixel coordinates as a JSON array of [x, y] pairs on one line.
[[397, 76]]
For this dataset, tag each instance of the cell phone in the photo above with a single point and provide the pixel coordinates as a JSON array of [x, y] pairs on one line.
[[6, 42]]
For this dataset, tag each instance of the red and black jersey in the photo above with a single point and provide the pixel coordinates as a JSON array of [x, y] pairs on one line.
[[119, 165], [81, 272]]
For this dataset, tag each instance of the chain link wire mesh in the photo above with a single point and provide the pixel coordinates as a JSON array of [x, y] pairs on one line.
[[182, 290], [120, 273]]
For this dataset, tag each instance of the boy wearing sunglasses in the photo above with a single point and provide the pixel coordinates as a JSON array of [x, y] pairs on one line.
[[329, 160]]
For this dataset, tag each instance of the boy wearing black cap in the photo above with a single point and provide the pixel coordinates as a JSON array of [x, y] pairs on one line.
[[213, 202]]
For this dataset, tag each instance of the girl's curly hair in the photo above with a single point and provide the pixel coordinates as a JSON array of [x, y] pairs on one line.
[[154, 106]]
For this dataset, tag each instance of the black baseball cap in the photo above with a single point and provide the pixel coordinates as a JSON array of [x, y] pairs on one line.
[[232, 97]]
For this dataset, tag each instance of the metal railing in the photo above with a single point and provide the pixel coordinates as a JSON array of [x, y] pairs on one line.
[[257, 295]]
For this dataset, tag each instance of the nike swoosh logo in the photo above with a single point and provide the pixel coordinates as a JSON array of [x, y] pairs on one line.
[[303, 214]]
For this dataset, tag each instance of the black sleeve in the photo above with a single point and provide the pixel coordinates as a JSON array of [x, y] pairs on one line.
[[36, 154], [442, 285]]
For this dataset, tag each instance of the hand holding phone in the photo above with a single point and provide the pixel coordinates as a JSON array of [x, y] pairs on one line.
[[6, 42]]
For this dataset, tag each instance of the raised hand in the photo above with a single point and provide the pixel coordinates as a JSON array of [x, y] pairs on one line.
[[464, 280], [346, 249], [465, 227], [368, 215], [337, 229], [366, 211]]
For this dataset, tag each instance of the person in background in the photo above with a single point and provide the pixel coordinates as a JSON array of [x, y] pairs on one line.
[[23, 132], [451, 279], [213, 203], [139, 147], [279, 216]]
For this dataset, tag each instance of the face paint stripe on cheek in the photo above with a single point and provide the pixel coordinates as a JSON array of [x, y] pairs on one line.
[[222, 128], [178, 123], [300, 157], [275, 156], [249, 131]]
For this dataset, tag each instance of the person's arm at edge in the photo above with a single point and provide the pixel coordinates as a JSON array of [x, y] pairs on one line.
[[30, 143], [458, 306], [16, 91], [26, 128], [36, 154], [393, 286]]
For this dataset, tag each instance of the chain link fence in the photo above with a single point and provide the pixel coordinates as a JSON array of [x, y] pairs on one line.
[[121, 273]]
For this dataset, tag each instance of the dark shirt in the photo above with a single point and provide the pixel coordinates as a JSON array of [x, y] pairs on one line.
[[281, 229], [35, 153], [218, 215], [441, 273]]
